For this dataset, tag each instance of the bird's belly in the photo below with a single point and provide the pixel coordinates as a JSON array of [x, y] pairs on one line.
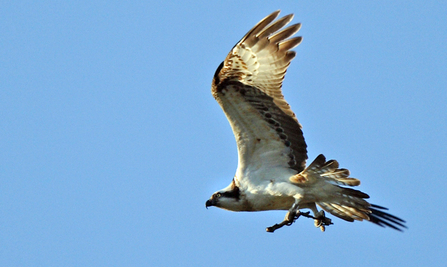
[[272, 203]]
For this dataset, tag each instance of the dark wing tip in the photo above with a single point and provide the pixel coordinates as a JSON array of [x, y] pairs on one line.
[[261, 25]]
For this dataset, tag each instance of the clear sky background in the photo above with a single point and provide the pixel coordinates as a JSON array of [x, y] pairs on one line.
[[110, 141]]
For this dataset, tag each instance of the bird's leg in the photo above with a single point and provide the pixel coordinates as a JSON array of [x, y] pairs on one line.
[[291, 216], [320, 219]]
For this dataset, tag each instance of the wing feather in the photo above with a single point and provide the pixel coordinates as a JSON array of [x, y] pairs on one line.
[[247, 85], [290, 44], [251, 37], [275, 27], [284, 34]]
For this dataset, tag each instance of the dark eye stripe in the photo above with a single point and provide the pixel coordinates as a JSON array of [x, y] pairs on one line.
[[235, 193], [231, 194]]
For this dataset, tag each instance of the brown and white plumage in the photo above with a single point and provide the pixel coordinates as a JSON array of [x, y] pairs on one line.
[[272, 173], [249, 82]]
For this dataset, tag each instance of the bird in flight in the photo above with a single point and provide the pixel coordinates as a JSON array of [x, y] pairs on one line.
[[272, 172]]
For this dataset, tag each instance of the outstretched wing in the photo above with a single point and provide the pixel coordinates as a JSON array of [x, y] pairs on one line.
[[247, 85]]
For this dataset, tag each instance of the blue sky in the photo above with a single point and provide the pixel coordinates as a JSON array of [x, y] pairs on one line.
[[110, 141]]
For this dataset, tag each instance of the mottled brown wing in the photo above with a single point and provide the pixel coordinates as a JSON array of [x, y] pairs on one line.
[[247, 85]]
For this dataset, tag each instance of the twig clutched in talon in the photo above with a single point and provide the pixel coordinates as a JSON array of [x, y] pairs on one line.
[[288, 221], [272, 229], [307, 214], [320, 221]]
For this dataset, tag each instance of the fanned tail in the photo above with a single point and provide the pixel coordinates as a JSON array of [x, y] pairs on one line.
[[346, 203]]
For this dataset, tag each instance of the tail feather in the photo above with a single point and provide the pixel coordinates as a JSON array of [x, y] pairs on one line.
[[369, 213], [347, 203], [384, 219], [335, 211], [344, 212]]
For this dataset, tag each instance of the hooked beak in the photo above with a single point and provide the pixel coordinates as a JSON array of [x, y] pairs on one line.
[[210, 202]]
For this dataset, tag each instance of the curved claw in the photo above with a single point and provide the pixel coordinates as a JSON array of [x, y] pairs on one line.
[[321, 221]]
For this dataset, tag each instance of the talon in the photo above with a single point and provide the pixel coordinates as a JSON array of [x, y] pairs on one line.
[[327, 221], [321, 221], [290, 216]]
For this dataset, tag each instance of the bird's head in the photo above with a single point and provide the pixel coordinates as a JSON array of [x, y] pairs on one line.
[[227, 198]]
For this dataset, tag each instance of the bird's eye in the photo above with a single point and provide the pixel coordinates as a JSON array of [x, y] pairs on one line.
[[218, 195]]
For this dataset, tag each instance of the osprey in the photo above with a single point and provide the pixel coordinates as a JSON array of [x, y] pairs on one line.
[[272, 153]]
